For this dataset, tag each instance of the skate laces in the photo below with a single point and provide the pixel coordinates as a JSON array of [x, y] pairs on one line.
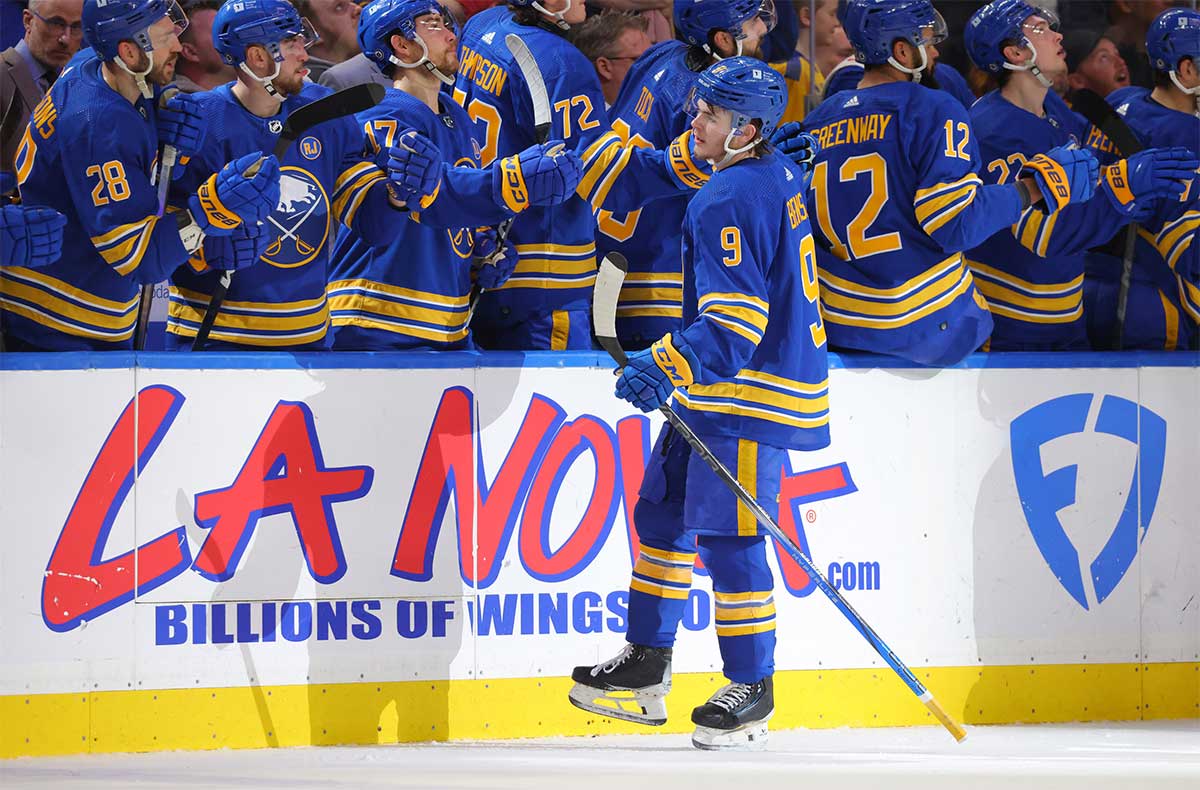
[[732, 695], [614, 662]]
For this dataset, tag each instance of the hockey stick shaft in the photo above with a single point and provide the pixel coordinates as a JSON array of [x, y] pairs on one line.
[[610, 344], [347, 101]]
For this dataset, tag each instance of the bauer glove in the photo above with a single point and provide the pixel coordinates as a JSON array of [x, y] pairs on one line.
[[246, 190], [1147, 176], [30, 236], [1063, 175]]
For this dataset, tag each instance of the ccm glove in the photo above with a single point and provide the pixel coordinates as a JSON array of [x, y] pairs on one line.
[[797, 145], [541, 175], [414, 170], [1150, 175], [651, 375], [30, 236], [1064, 175], [492, 262], [246, 190], [181, 123]]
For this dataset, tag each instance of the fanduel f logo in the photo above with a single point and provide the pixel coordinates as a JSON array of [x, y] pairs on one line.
[[1043, 494]]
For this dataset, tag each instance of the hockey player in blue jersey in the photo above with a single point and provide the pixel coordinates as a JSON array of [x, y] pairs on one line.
[[1032, 275], [414, 291], [750, 292], [30, 236], [279, 302], [90, 152], [1163, 304], [897, 198]]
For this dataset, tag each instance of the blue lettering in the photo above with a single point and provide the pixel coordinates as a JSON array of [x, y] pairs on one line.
[[296, 620], [268, 622], [220, 631], [527, 613], [552, 613], [495, 617], [441, 615], [331, 618], [245, 631], [368, 625], [696, 614], [199, 624], [412, 619], [618, 604], [170, 626], [586, 615]]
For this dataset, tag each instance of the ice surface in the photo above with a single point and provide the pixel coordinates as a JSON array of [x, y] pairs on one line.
[[1131, 756]]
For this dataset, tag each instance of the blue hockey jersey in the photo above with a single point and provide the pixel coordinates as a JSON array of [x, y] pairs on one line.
[[750, 309], [413, 291], [279, 302], [1163, 308], [556, 245], [845, 77], [897, 199], [1032, 274], [89, 154]]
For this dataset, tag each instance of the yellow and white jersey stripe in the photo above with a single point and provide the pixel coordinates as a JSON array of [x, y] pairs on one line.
[[856, 304], [66, 308], [351, 188], [553, 266], [404, 311], [651, 295], [1022, 300], [663, 574], [762, 396], [250, 323], [1176, 237], [740, 313], [938, 204], [1034, 230], [742, 613], [123, 246]]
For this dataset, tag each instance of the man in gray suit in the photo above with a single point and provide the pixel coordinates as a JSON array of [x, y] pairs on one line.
[[53, 33]]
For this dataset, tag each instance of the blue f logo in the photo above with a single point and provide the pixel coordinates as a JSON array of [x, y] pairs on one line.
[[1043, 493]]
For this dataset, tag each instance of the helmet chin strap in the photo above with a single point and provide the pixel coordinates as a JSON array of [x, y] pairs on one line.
[[718, 56], [140, 76], [446, 79], [730, 153], [558, 15], [1031, 66], [1174, 75], [916, 73], [266, 82]]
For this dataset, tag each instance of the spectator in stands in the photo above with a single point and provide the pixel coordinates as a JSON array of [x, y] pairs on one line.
[[612, 42], [1094, 63], [1130, 21], [199, 67], [53, 33], [657, 14], [336, 21]]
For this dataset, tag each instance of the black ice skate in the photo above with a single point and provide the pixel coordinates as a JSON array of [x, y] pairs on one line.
[[630, 686], [735, 717]]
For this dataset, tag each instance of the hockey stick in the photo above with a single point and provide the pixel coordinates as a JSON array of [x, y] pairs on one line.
[[1101, 114], [347, 101], [604, 315], [541, 132]]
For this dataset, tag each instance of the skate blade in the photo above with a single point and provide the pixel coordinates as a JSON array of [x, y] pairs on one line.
[[748, 738], [645, 706]]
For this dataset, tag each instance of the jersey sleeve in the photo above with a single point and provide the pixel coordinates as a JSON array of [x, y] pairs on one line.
[[1178, 245], [620, 177], [578, 115], [731, 287], [951, 202], [1073, 229], [107, 175]]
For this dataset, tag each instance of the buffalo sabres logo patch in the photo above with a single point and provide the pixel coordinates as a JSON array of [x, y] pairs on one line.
[[310, 148], [300, 222]]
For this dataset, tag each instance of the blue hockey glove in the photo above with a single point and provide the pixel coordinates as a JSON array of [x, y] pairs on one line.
[[1150, 175], [246, 189], [414, 170], [1064, 175], [30, 236], [541, 175], [241, 248], [493, 265], [182, 124], [797, 145], [651, 375]]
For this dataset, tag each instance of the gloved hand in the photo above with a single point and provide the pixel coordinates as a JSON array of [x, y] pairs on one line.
[[242, 247], [796, 144], [180, 122], [651, 375], [30, 236], [541, 175], [1064, 175], [492, 264], [245, 190], [1150, 175], [414, 169], [683, 163]]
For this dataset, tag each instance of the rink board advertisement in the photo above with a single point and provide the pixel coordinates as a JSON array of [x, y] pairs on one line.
[[334, 549]]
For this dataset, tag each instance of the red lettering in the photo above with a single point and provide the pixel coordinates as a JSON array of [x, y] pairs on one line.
[[633, 442], [284, 473], [794, 491], [79, 583]]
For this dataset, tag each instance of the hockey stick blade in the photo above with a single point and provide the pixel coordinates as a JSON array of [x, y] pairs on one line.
[[537, 86], [604, 307]]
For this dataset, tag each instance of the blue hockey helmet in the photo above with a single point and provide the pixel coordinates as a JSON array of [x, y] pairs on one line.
[[106, 23], [997, 25], [382, 18], [874, 25], [745, 86], [1173, 35], [239, 24], [695, 19]]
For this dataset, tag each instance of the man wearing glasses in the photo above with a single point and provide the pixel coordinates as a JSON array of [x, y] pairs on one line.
[[53, 32]]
